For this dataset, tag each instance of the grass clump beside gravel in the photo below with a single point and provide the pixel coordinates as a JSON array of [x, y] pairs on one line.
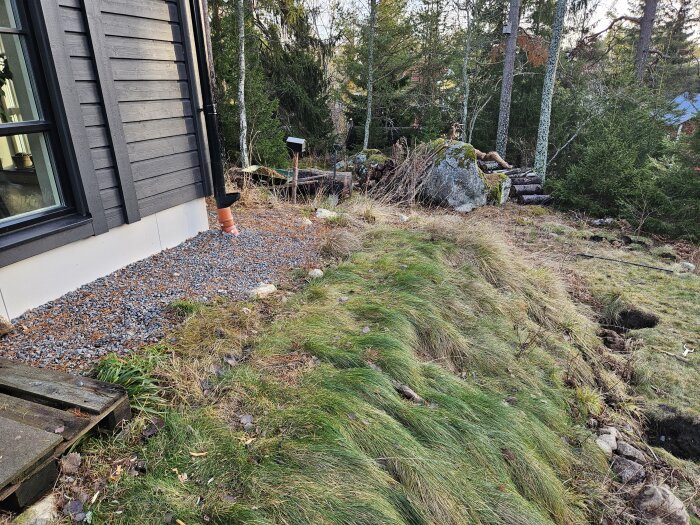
[[302, 420]]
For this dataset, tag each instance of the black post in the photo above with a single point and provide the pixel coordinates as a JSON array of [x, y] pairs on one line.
[[206, 68]]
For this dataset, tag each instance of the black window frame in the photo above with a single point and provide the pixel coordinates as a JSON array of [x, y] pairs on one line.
[[45, 124]]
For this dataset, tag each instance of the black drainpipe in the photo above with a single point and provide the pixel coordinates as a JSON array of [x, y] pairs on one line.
[[206, 68]]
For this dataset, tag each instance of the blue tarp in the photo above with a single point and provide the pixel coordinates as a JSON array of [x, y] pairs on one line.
[[686, 106]]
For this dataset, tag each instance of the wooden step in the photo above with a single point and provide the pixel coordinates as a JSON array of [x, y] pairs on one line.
[[526, 189], [534, 199], [42, 414]]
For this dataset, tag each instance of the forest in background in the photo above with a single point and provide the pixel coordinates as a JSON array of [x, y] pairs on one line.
[[437, 69]]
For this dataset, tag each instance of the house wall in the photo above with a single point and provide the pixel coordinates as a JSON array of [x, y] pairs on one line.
[[49, 275], [135, 75], [122, 77]]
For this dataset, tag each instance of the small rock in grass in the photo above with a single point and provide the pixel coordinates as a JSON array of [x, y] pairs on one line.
[[365, 330], [246, 419], [262, 290], [5, 327], [249, 427], [74, 510], [686, 266], [629, 471], [306, 222], [610, 430], [323, 213], [315, 273], [343, 299], [661, 506], [630, 452], [607, 444], [403, 218]]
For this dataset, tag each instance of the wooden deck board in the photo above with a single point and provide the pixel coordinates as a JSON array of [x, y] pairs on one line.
[[22, 447], [43, 417], [42, 414], [56, 388]]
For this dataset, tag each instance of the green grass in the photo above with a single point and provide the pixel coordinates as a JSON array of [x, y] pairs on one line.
[[491, 345]]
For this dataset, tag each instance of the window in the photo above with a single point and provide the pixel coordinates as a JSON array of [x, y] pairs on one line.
[[29, 186]]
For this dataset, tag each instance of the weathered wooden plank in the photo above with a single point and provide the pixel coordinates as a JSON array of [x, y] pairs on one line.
[[82, 68], [154, 109], [150, 149], [102, 158], [111, 198], [87, 92], [97, 136], [115, 217], [72, 20], [166, 200], [77, 45], [69, 3], [93, 114], [158, 166], [115, 128], [56, 388], [150, 90], [171, 181], [106, 178], [48, 419], [128, 69], [155, 129], [141, 49], [155, 9], [133, 27], [23, 446]]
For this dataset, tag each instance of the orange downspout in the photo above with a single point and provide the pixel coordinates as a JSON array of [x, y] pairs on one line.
[[226, 221]]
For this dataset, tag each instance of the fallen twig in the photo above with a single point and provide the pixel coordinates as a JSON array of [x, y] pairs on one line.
[[589, 256], [679, 357]]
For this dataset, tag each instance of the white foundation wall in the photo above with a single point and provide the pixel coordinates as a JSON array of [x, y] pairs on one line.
[[32, 282]]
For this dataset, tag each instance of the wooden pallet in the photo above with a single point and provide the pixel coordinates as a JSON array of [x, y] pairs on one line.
[[42, 414]]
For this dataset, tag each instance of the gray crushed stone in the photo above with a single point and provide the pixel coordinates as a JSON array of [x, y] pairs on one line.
[[130, 307]]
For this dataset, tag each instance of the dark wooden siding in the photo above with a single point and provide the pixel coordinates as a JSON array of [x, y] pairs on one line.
[[148, 60], [83, 65], [145, 46]]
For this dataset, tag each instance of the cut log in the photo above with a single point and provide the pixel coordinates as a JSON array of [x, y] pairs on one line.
[[525, 180], [527, 189], [534, 199]]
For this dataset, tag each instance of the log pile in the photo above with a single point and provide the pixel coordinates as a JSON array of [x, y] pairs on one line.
[[526, 186]]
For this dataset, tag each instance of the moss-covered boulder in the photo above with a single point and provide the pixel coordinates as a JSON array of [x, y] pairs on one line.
[[456, 181]]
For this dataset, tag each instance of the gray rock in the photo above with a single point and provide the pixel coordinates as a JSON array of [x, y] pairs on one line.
[[249, 427], [246, 419], [687, 266], [455, 180], [610, 430], [315, 273], [607, 444], [629, 471], [660, 506], [630, 452], [323, 213]]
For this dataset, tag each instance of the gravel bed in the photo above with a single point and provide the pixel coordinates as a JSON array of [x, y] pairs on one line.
[[130, 307]]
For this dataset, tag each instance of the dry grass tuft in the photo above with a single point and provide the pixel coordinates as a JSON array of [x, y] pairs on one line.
[[340, 244]]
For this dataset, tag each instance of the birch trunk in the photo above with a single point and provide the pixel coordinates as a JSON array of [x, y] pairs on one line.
[[645, 27], [465, 78], [370, 68], [507, 83], [548, 90], [245, 161]]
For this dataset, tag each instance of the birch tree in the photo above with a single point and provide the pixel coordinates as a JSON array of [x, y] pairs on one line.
[[370, 68], [245, 160], [465, 72], [548, 90], [646, 25], [507, 83]]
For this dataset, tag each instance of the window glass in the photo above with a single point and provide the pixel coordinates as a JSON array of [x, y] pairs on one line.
[[7, 16], [17, 102], [27, 179]]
